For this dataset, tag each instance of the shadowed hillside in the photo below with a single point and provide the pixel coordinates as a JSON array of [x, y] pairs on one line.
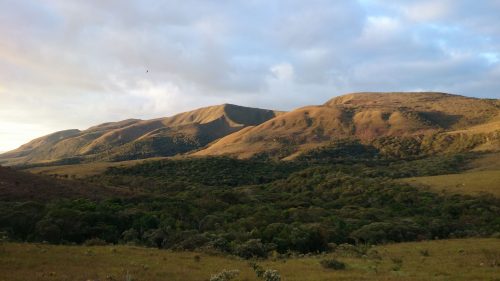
[[23, 186]]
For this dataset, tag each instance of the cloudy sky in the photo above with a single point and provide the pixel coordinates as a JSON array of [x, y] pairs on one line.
[[72, 64]]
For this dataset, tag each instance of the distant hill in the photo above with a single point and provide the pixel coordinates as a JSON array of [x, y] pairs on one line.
[[368, 117], [135, 139], [430, 121]]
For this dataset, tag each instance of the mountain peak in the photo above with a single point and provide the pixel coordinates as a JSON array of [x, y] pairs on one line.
[[134, 138]]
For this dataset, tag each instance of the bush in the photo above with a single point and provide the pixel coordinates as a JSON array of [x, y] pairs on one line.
[[252, 248], [266, 275], [95, 242], [259, 270], [225, 275], [271, 275], [332, 264]]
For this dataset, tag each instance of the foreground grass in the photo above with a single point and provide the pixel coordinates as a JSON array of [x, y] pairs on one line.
[[472, 183], [465, 259]]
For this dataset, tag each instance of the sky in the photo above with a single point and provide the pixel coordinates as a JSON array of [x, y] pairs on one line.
[[73, 64]]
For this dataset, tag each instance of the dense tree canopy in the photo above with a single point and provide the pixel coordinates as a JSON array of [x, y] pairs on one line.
[[252, 207]]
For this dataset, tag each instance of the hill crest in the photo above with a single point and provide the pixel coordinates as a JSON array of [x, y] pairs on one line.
[[239, 131], [135, 138]]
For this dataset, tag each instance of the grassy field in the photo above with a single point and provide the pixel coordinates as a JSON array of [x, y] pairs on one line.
[[473, 183], [482, 175], [466, 259], [487, 162]]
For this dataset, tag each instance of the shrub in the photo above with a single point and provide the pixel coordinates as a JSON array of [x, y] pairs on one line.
[[95, 242], [271, 275], [259, 270], [225, 275], [130, 236], [266, 275], [349, 250], [252, 248], [332, 264]]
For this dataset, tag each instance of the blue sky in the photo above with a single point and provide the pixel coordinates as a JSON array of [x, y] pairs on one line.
[[73, 64]]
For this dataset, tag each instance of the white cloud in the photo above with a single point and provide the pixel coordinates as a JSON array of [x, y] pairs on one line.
[[428, 10], [283, 71], [380, 29], [72, 64]]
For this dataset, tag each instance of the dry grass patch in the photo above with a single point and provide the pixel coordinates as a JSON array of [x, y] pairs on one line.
[[472, 183], [465, 259]]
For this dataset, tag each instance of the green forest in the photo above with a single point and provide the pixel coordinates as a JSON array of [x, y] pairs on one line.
[[339, 194]]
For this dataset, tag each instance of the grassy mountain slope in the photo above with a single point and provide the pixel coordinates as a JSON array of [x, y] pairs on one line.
[[367, 117], [482, 175], [132, 138], [427, 121]]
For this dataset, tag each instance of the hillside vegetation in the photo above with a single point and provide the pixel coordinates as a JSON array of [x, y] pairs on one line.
[[250, 208]]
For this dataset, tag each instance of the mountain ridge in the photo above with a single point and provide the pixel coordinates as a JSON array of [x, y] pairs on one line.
[[244, 132], [363, 116], [181, 132]]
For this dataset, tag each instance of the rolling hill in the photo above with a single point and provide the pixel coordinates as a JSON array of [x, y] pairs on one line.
[[431, 122], [136, 139], [438, 120]]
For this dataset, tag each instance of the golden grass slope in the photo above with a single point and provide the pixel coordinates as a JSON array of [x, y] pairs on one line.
[[482, 176], [365, 116], [197, 128], [458, 260], [472, 183], [444, 110], [244, 132]]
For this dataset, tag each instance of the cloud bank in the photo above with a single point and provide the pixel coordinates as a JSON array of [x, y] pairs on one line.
[[72, 64]]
